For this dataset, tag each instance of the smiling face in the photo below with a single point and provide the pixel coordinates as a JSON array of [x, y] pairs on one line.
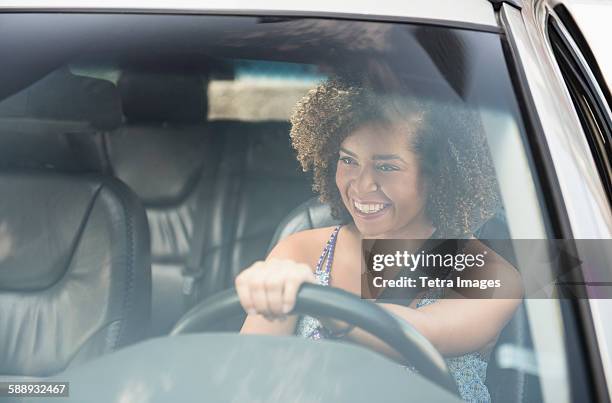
[[380, 182]]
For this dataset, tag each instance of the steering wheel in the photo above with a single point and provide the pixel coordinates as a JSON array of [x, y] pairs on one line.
[[316, 300]]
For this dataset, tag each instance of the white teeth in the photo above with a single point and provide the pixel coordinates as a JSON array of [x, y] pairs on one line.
[[368, 208]]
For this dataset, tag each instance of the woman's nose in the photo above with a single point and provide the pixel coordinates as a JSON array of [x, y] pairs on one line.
[[366, 182]]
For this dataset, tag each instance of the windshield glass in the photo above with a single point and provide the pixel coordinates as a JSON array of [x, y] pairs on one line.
[[296, 140]]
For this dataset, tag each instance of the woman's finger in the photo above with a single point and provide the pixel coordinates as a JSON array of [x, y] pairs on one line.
[[244, 293], [257, 291], [274, 285]]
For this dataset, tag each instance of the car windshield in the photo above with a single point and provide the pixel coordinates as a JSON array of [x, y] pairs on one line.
[[234, 134]]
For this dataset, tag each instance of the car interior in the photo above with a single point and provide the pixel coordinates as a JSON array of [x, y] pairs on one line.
[[124, 204]]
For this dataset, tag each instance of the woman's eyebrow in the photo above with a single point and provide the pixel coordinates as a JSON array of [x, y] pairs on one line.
[[344, 150], [384, 157]]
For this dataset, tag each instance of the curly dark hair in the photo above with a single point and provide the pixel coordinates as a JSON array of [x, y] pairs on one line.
[[449, 142]]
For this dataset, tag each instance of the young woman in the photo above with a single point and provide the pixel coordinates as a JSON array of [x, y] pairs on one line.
[[393, 167]]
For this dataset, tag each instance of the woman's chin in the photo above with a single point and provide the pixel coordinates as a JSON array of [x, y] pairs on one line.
[[371, 229], [373, 225]]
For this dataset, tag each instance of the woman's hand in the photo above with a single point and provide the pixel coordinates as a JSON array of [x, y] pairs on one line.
[[269, 288]]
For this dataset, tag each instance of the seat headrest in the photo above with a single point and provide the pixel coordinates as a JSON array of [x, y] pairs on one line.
[[57, 146], [47, 125], [152, 97], [64, 96]]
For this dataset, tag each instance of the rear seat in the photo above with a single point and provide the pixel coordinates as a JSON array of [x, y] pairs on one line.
[[235, 180]]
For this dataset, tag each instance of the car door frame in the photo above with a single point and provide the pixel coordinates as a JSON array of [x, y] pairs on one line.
[[565, 167]]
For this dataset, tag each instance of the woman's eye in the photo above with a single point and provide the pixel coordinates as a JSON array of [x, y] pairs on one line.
[[347, 160], [387, 167]]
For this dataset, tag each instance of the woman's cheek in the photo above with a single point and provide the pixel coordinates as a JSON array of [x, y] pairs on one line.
[[402, 188], [342, 176]]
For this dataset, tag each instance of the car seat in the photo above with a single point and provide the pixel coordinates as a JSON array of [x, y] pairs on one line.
[[75, 279]]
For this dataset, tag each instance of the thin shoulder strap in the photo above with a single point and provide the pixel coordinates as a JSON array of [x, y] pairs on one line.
[[327, 257]]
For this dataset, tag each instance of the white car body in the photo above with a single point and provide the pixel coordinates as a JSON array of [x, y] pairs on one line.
[[585, 204]]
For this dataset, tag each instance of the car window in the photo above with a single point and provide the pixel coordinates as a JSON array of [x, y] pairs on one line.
[[270, 89], [590, 17], [234, 134], [587, 96]]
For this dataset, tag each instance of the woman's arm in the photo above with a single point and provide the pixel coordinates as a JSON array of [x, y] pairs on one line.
[[458, 323], [455, 325]]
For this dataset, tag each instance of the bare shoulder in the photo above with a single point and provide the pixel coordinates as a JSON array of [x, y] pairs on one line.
[[302, 247]]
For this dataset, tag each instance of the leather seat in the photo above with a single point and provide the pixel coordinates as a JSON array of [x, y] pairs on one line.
[[165, 155], [308, 215], [75, 278], [74, 270]]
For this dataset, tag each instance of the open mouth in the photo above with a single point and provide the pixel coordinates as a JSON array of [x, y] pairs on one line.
[[370, 210]]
